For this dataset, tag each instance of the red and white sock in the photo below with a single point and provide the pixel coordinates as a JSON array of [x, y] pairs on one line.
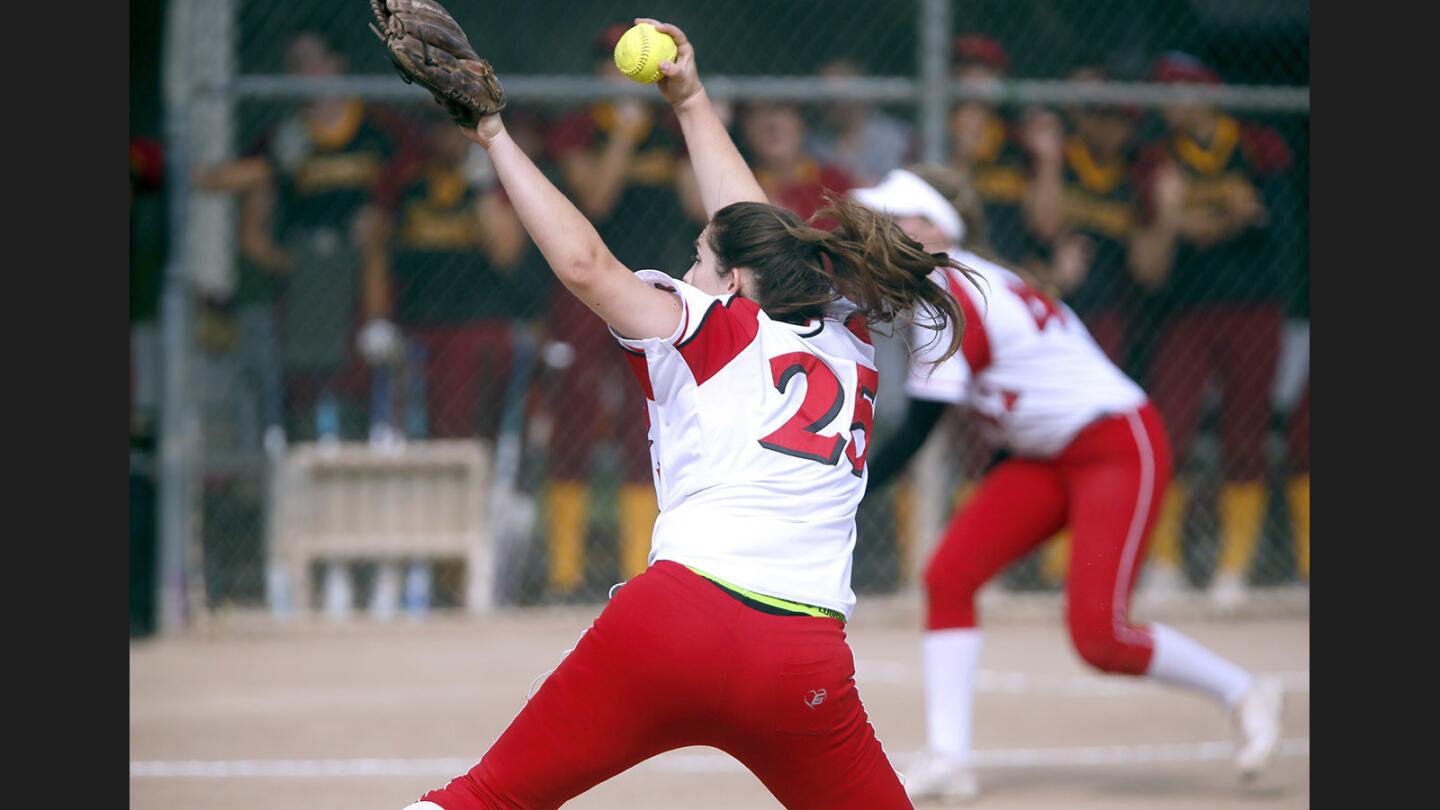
[[1183, 661], [952, 665]]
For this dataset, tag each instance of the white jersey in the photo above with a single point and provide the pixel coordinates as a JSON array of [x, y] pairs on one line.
[[1027, 366], [758, 431]]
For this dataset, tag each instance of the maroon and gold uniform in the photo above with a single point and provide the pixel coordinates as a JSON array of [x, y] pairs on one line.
[[1222, 302], [648, 226], [325, 174], [1001, 171], [985, 141], [592, 402], [1222, 309], [804, 191], [1100, 202], [453, 298]]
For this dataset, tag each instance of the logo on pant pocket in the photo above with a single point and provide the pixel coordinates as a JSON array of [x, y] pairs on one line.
[[814, 697]]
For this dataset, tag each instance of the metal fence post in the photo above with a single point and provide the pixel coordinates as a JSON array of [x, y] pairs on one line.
[[177, 426], [933, 51], [934, 97], [198, 258]]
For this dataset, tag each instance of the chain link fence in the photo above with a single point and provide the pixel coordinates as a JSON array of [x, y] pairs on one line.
[[367, 287]]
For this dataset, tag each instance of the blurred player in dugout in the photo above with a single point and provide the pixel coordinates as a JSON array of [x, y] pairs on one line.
[[773, 140], [1088, 238], [624, 164], [308, 189], [994, 150], [1222, 299], [861, 139], [1086, 193], [442, 296], [450, 278]]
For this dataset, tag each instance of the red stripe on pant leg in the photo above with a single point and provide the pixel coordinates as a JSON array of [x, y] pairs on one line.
[[1016, 507], [1115, 473]]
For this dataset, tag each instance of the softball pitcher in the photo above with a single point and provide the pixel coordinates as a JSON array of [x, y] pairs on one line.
[[759, 381]]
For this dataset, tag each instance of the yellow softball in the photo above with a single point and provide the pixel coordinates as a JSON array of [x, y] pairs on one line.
[[640, 51]]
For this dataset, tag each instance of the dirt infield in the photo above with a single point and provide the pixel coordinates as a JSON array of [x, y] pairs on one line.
[[369, 716]]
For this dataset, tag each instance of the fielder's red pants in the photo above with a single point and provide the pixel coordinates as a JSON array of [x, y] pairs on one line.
[[673, 661], [1105, 487]]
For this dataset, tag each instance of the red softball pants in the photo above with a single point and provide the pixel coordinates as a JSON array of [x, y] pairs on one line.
[[1106, 487], [673, 661]]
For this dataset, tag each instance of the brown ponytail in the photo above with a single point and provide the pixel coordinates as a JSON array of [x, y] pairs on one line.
[[799, 268]]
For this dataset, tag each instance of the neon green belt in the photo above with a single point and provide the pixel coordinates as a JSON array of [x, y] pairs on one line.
[[772, 601]]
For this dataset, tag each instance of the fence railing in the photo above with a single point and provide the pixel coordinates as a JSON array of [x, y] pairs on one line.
[[215, 107]]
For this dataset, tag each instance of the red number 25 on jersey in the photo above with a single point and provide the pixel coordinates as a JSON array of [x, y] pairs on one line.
[[800, 435]]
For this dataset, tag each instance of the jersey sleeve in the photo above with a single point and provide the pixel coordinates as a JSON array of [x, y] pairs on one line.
[[712, 331], [693, 306]]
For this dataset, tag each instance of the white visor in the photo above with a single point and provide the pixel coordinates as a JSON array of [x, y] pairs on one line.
[[901, 194]]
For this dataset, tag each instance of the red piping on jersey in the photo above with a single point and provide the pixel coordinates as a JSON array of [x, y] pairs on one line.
[[640, 367], [974, 343], [858, 327], [724, 331]]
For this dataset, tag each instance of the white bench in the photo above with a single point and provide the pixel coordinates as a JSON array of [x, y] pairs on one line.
[[350, 501]]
